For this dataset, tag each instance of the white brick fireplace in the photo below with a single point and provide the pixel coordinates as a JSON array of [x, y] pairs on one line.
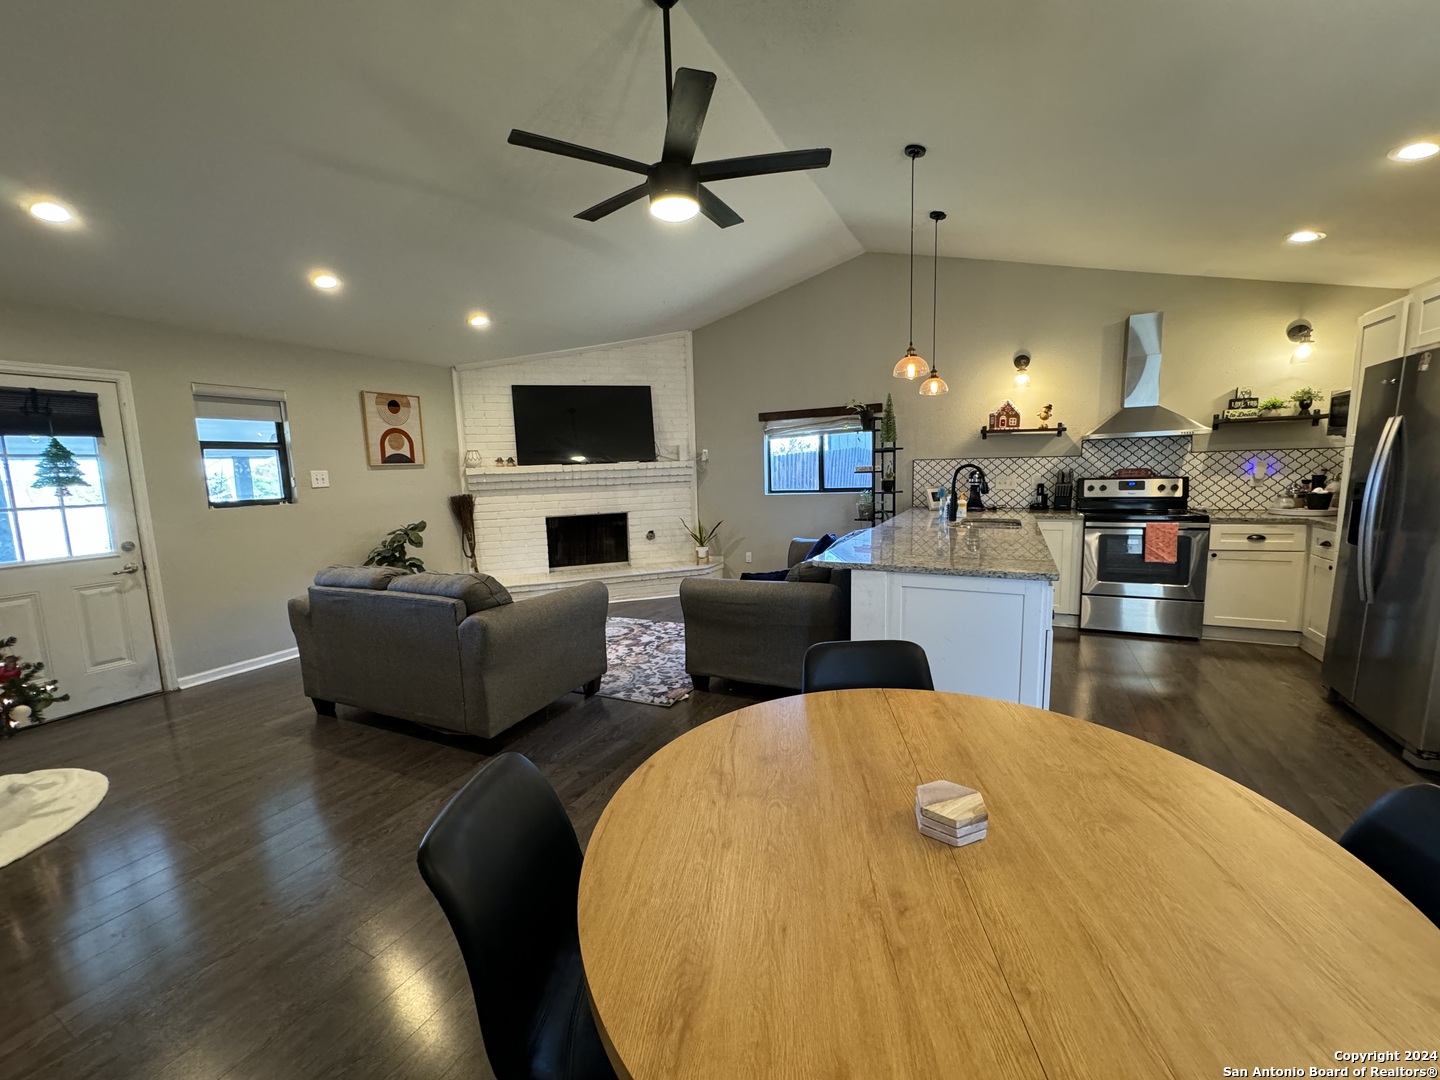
[[512, 503]]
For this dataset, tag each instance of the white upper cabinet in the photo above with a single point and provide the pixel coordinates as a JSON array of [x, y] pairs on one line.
[[1381, 337], [1424, 321]]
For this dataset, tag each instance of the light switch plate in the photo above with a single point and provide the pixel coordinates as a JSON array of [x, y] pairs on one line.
[[319, 478]]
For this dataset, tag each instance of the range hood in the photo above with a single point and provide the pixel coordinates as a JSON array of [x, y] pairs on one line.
[[1143, 415]]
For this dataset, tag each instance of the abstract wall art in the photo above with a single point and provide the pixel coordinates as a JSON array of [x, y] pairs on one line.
[[394, 434]]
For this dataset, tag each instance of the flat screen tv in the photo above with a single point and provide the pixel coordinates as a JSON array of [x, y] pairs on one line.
[[582, 425]]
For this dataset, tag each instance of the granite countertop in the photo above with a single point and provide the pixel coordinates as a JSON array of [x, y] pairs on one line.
[[1262, 517], [916, 542]]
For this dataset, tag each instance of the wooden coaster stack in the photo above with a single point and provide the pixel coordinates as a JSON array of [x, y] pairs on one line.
[[950, 813]]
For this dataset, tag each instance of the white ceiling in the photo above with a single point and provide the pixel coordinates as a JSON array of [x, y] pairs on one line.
[[218, 153]]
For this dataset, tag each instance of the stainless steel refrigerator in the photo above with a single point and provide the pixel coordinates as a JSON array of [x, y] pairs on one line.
[[1382, 651]]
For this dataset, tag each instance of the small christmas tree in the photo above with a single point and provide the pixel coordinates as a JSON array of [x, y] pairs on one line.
[[58, 469], [24, 692]]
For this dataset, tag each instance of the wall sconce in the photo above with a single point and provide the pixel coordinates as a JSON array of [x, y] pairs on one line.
[[472, 459], [1303, 335], [1022, 369]]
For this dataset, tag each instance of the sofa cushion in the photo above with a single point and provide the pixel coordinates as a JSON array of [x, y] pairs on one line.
[[358, 577], [806, 572], [820, 545], [478, 591]]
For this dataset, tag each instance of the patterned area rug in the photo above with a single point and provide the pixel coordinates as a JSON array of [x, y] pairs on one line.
[[647, 662]]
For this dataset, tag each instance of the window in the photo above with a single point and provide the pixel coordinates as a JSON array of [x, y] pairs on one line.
[[36, 523], [244, 446], [816, 455]]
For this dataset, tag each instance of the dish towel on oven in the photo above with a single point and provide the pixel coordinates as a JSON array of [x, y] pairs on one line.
[[1162, 542]]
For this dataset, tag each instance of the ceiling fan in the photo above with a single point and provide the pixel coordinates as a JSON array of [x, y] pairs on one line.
[[675, 183]]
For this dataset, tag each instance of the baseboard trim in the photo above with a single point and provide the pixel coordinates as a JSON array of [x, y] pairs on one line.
[[240, 667], [1254, 636]]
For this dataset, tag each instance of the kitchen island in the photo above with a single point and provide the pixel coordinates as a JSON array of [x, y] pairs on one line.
[[978, 598]]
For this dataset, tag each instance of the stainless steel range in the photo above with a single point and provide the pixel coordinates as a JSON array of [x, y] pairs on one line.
[[1120, 590]]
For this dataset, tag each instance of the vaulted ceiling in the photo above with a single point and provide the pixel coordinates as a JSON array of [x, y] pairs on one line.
[[218, 153]]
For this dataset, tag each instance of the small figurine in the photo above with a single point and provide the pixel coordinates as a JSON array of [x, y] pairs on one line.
[[1045, 417], [499, 462], [509, 461]]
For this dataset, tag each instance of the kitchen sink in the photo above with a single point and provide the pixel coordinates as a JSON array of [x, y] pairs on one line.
[[992, 523]]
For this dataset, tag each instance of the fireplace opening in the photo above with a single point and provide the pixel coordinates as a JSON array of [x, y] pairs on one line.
[[587, 538]]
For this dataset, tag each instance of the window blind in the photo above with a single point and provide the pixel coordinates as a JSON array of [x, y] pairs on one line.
[[25, 410], [812, 425], [267, 405]]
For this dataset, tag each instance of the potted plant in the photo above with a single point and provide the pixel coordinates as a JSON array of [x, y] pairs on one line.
[[860, 409], [702, 537], [888, 483], [392, 551], [1305, 397], [865, 505], [888, 436], [1270, 404]]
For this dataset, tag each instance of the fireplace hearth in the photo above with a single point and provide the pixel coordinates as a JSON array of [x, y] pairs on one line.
[[587, 539]]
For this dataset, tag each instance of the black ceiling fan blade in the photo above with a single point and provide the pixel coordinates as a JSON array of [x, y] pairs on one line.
[[584, 153], [715, 208], [760, 164], [689, 101], [615, 202]]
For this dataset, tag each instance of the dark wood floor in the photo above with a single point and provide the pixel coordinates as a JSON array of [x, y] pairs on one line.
[[245, 903]]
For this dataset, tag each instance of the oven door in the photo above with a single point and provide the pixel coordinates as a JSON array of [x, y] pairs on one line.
[[1115, 565]]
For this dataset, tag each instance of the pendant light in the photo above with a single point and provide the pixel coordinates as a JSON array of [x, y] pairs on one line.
[[911, 366], [934, 386]]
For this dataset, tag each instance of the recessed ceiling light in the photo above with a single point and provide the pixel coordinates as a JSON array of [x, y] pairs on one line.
[[478, 319], [51, 212], [325, 280], [1415, 151], [1305, 236]]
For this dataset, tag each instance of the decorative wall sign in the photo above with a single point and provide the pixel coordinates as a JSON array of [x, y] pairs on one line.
[[394, 434]]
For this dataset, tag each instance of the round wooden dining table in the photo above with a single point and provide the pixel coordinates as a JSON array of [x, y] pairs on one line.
[[757, 902]]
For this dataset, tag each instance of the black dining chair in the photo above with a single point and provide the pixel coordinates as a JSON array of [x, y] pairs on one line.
[[862, 665], [503, 861], [1398, 837]]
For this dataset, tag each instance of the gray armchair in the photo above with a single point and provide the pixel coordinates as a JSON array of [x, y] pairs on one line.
[[758, 631], [449, 650]]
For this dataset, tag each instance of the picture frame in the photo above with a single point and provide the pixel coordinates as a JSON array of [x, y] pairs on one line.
[[394, 429]]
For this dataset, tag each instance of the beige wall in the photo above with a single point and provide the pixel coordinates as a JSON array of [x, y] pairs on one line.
[[837, 335], [227, 573]]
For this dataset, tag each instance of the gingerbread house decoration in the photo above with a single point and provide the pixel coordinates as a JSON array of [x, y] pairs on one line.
[[1006, 416]]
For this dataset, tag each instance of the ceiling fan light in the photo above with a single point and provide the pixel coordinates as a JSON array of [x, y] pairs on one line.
[[910, 366], [674, 207], [934, 386]]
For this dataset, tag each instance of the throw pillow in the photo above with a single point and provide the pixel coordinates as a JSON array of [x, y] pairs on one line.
[[806, 572], [479, 591], [357, 577], [820, 545], [765, 575]]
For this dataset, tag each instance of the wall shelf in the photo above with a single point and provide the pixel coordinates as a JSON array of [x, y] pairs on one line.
[[1058, 430], [1314, 417]]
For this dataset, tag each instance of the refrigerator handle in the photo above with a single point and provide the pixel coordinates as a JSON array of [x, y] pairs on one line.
[[1370, 507]]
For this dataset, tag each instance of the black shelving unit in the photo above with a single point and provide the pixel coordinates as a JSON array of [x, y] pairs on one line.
[[1058, 430], [883, 505], [1313, 418]]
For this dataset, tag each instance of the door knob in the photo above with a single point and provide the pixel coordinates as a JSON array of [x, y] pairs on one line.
[[128, 568]]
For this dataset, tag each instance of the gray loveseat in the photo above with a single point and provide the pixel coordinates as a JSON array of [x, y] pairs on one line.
[[758, 631], [452, 651]]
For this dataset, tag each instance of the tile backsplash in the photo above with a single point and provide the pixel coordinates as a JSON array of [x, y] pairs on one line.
[[1219, 479]]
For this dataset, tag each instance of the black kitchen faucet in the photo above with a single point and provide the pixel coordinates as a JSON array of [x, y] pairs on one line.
[[978, 486]]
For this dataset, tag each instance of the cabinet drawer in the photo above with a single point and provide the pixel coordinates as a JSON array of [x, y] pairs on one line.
[[1257, 537], [1323, 543]]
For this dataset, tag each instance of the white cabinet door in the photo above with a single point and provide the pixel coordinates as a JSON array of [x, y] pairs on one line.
[[1319, 588], [1424, 319], [1380, 337], [1063, 540], [1261, 590]]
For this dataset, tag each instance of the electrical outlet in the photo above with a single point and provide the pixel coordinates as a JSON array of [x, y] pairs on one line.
[[319, 478], [748, 557], [1006, 482]]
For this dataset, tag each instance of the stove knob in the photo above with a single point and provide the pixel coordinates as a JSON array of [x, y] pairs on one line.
[[1174, 487], [1102, 487], [1160, 487], [1089, 487]]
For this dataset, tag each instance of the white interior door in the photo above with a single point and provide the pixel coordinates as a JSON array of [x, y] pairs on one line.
[[72, 573]]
